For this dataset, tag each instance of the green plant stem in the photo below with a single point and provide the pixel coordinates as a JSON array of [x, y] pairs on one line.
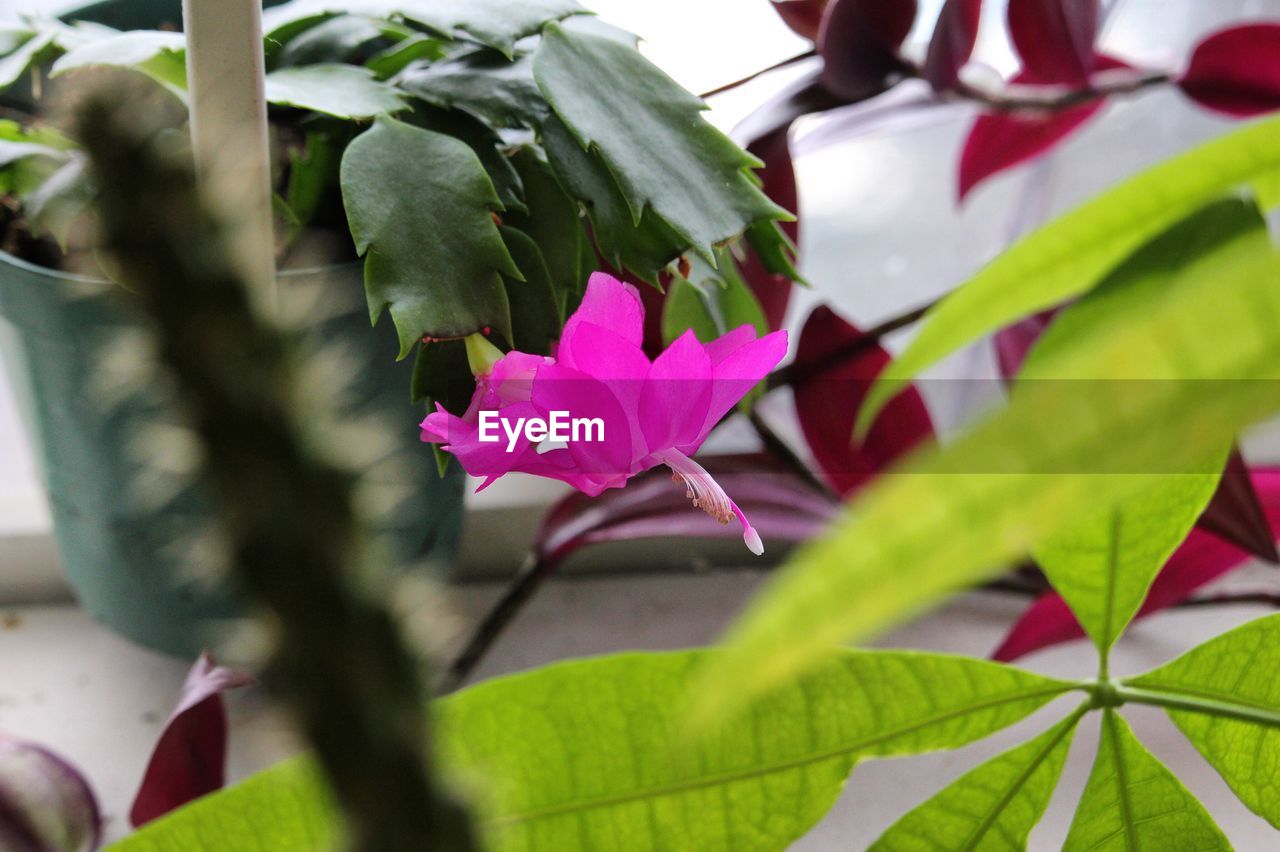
[[294, 538], [1178, 700]]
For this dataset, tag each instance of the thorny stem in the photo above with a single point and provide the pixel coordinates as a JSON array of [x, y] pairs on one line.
[[295, 538]]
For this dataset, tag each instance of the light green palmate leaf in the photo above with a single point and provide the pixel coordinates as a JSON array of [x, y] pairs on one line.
[[1104, 566], [1225, 697], [665, 157], [644, 247], [484, 83], [594, 754], [419, 205], [1132, 803], [1070, 255], [991, 808], [1061, 451], [159, 55], [554, 222], [345, 91]]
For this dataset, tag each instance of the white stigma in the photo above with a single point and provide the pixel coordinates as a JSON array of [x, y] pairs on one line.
[[706, 494]]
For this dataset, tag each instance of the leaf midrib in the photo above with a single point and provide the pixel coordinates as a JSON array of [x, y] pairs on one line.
[[747, 774], [1122, 782]]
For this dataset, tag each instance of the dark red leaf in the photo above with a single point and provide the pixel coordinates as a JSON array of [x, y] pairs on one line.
[[803, 16], [1000, 141], [859, 41], [829, 393], [781, 506], [1236, 71], [1012, 343], [1201, 559], [1055, 38], [771, 289], [952, 43], [1235, 513], [189, 759]]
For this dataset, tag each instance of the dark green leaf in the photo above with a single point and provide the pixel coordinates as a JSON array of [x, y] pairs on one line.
[[535, 316], [711, 302], [419, 205], [334, 40], [555, 223], [441, 374], [313, 172], [484, 141], [1234, 677], [394, 59], [346, 91], [645, 248], [991, 808], [1132, 803], [484, 83], [651, 135]]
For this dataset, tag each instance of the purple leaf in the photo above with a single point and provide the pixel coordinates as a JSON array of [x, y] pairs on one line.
[[773, 290], [1236, 71], [803, 16], [1235, 513], [952, 43], [1055, 38], [859, 41], [189, 759], [1000, 141], [782, 507], [829, 391], [46, 805], [1202, 558]]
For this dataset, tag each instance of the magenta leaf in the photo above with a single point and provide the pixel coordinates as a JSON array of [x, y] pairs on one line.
[[829, 391], [803, 16], [859, 41], [781, 505], [772, 289], [1235, 514], [46, 805], [189, 759], [1236, 71], [952, 43], [1055, 38], [1012, 343], [1202, 558], [1000, 141]]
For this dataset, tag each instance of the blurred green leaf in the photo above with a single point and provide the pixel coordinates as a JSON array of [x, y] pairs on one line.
[[991, 808], [345, 91], [57, 202], [419, 205], [29, 49], [159, 55], [666, 159], [334, 40], [1153, 387], [1132, 802], [441, 374], [1070, 255], [394, 59], [719, 302], [629, 778], [1237, 729], [484, 83]]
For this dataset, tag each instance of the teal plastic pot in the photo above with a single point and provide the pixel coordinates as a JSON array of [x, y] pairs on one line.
[[128, 544]]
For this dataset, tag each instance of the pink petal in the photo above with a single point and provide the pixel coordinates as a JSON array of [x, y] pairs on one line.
[[608, 303], [736, 373], [829, 397], [676, 395], [600, 464], [952, 43], [729, 342], [1055, 38], [189, 760], [1201, 559], [1236, 71]]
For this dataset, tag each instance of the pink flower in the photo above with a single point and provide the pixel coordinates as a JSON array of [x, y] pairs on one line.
[[622, 414]]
